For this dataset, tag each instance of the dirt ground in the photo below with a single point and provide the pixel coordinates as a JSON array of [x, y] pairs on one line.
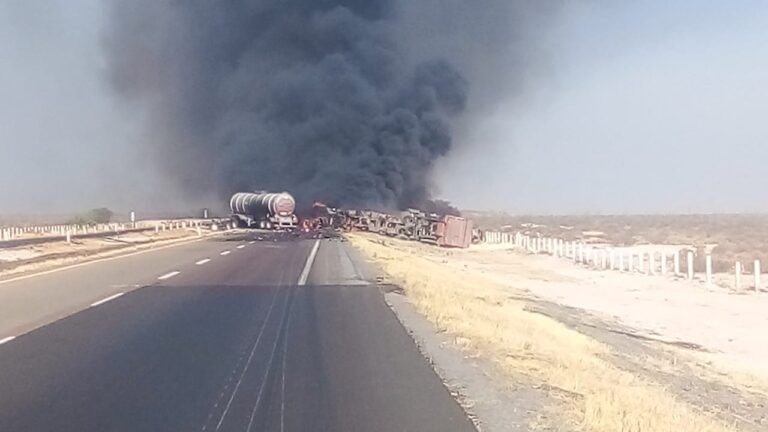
[[729, 237], [657, 354]]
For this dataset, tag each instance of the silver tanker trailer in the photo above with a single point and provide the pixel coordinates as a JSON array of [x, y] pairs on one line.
[[263, 210]]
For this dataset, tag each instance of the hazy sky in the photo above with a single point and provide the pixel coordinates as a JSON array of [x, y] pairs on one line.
[[646, 106], [64, 144]]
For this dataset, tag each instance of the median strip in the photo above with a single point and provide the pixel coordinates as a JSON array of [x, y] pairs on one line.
[[168, 275], [102, 301]]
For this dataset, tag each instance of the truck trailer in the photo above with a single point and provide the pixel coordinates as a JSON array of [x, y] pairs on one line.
[[263, 210]]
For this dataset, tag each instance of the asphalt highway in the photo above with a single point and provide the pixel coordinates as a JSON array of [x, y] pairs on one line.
[[225, 334]]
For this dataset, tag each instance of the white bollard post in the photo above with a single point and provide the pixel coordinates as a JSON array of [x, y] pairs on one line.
[[630, 262], [690, 265], [612, 259], [652, 263], [603, 259], [69, 236], [157, 227], [676, 262], [709, 269], [574, 252], [641, 262], [757, 275], [663, 263], [738, 275], [199, 232]]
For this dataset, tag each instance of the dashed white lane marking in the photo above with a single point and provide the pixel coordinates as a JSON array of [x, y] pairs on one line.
[[168, 275], [241, 246], [225, 253], [7, 339], [308, 265], [252, 242], [100, 260], [102, 301], [203, 261]]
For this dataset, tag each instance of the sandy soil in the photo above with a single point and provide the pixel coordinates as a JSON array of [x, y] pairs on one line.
[[723, 324]]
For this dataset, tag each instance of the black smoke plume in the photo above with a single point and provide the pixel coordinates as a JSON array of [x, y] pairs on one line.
[[311, 96]]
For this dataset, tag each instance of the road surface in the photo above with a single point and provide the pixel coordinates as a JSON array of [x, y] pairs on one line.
[[225, 334]]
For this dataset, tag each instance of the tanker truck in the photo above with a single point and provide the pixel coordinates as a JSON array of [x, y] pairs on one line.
[[263, 210]]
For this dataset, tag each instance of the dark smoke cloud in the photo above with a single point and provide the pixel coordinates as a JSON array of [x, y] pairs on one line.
[[315, 97]]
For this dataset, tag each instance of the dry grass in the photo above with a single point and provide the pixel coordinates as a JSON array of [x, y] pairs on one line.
[[487, 319]]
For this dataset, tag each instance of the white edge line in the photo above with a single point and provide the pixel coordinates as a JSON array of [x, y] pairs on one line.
[[99, 260], [7, 339], [203, 261], [225, 253], [102, 301], [308, 265], [168, 275]]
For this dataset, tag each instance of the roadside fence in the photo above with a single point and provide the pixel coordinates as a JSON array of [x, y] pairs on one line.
[[651, 260]]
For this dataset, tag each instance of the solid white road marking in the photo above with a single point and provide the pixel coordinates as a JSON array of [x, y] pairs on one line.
[[102, 301], [203, 261], [8, 339], [225, 253], [241, 246], [308, 265], [168, 275]]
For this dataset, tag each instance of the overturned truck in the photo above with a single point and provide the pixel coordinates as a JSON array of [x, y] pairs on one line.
[[416, 225]]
